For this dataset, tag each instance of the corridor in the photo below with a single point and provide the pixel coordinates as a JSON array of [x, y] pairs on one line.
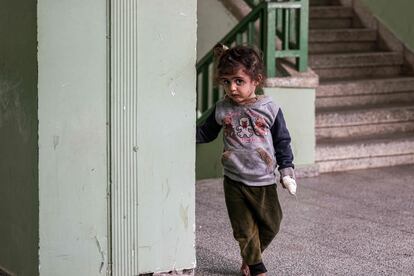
[[348, 223]]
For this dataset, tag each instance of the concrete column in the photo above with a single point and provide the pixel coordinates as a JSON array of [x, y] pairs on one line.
[[72, 88], [153, 55]]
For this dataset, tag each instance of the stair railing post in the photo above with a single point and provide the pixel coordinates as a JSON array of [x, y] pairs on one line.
[[302, 61], [269, 40]]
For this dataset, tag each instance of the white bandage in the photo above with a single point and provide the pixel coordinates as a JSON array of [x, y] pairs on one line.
[[290, 184]]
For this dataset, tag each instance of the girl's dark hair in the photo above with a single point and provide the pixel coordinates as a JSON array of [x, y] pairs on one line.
[[231, 60]]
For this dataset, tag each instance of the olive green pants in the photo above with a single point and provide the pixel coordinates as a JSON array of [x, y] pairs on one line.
[[255, 217]]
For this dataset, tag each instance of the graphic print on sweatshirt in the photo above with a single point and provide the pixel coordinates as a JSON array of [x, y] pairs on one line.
[[246, 127]]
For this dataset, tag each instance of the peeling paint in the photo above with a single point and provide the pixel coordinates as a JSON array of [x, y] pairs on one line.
[[63, 256], [98, 244], [172, 84], [148, 247], [184, 215], [55, 141], [166, 189]]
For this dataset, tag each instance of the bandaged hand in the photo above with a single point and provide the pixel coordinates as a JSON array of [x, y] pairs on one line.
[[290, 184]]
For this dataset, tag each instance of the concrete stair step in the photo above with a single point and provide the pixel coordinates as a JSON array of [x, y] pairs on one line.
[[327, 74], [364, 130], [364, 92], [356, 65], [341, 47], [367, 115], [351, 154], [342, 35], [330, 12], [365, 100], [331, 23], [374, 120], [365, 86], [323, 2], [343, 60]]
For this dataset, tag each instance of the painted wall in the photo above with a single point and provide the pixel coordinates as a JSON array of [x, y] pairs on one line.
[[301, 126], [396, 15], [166, 119], [298, 106], [18, 137], [214, 22], [72, 137]]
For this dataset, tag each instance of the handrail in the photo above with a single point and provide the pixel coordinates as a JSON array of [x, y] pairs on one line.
[[279, 28], [252, 3]]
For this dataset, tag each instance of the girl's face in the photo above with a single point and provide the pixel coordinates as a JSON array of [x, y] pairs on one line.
[[239, 86]]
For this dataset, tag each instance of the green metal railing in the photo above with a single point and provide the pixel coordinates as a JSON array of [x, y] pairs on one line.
[[278, 28], [252, 3]]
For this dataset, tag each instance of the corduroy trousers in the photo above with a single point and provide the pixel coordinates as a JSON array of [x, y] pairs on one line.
[[255, 215]]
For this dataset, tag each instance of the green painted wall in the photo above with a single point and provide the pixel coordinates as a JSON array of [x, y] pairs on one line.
[[298, 105], [214, 22], [72, 88], [153, 56], [18, 137], [166, 124], [396, 15], [208, 159]]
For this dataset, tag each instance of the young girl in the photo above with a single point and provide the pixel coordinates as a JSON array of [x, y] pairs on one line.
[[256, 140]]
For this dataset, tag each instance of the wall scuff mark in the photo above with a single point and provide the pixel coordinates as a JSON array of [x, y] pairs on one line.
[[184, 215], [55, 141], [11, 109], [102, 253]]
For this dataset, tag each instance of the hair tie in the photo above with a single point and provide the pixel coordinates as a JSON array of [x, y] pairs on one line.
[[219, 50]]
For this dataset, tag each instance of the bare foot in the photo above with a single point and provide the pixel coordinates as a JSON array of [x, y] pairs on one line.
[[245, 269]]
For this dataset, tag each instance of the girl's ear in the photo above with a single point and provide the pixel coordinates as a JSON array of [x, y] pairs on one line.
[[219, 50], [259, 79]]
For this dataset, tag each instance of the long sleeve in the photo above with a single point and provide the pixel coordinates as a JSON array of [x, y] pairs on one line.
[[208, 130], [281, 143]]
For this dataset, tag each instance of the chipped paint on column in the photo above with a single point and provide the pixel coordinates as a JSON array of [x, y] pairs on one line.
[[153, 120]]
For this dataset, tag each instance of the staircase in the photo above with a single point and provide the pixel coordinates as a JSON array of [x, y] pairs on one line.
[[365, 101]]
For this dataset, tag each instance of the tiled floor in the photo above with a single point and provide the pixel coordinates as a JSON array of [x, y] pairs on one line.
[[347, 223]]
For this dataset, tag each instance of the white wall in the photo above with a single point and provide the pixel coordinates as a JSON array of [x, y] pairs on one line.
[[214, 22]]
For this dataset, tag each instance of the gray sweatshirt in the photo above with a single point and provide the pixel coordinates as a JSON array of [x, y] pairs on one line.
[[255, 139]]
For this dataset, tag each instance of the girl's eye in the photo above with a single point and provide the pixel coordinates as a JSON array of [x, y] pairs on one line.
[[225, 82], [239, 82]]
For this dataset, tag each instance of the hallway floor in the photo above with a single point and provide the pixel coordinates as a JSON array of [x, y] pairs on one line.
[[348, 223]]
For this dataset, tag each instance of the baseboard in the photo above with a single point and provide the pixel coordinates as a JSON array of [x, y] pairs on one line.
[[172, 272]]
